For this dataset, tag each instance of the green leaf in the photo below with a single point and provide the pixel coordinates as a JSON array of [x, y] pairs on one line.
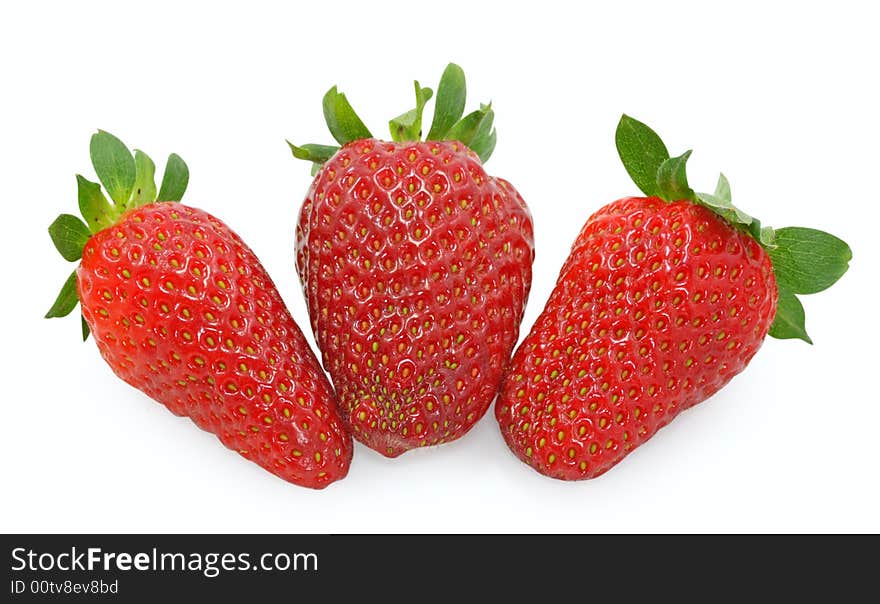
[[114, 166], [314, 153], [484, 147], [408, 126], [449, 106], [474, 126], [174, 180], [483, 140], [767, 237], [343, 122], [85, 328], [720, 203], [484, 130], [789, 320], [754, 229], [807, 261], [145, 180], [764, 235], [642, 152], [66, 300], [724, 208], [672, 184], [69, 234], [722, 189], [93, 206]]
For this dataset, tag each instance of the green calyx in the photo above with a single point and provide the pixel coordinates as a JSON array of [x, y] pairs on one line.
[[805, 261], [129, 181], [449, 123]]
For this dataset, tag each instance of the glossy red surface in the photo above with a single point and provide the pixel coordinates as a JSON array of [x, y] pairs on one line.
[[658, 306], [183, 310], [416, 267]]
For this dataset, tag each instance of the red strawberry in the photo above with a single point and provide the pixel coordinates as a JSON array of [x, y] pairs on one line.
[[183, 310], [416, 266], [662, 301]]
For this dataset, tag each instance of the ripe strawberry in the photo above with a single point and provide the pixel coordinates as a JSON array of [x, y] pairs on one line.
[[662, 301], [416, 266], [183, 310]]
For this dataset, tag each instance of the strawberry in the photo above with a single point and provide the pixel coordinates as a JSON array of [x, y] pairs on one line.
[[183, 310], [416, 267], [662, 301]]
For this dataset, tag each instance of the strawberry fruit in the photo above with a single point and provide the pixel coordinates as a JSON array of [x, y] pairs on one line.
[[416, 267], [662, 301], [183, 310]]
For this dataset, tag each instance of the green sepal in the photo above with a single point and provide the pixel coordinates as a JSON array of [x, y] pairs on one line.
[[93, 206], [483, 141], [789, 320], [69, 234], [642, 152], [343, 122], [134, 176], [144, 191], [672, 183], [485, 146], [721, 203], [449, 106], [175, 179], [66, 300], [754, 228], [313, 153], [130, 181], [114, 166], [724, 208], [767, 238], [85, 328], [475, 130], [408, 126], [722, 189], [764, 235], [807, 261]]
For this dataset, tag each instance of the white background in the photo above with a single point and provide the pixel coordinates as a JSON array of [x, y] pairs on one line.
[[781, 96]]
